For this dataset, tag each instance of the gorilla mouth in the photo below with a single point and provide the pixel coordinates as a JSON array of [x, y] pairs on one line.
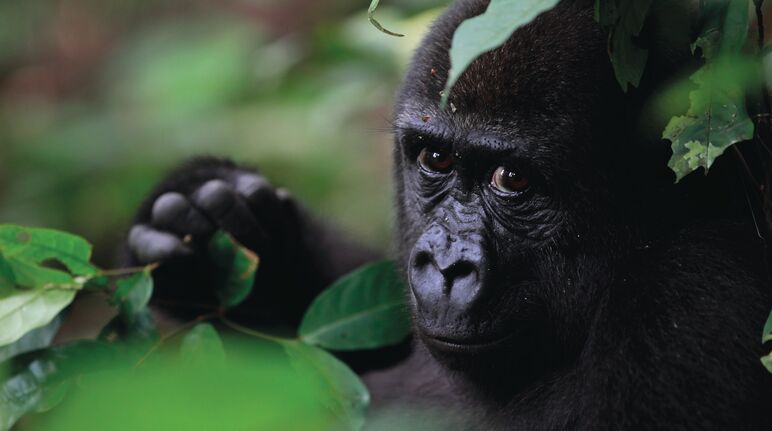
[[463, 345]]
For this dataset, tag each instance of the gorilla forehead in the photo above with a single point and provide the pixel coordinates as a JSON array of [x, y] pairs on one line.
[[547, 71]]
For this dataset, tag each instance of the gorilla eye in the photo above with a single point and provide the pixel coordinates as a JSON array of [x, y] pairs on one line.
[[509, 181], [435, 161]]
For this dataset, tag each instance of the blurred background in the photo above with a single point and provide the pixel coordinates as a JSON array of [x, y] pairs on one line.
[[98, 98]]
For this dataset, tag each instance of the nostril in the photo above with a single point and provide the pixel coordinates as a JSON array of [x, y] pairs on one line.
[[459, 269], [422, 258]]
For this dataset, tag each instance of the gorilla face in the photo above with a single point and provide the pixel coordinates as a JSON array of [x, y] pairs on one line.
[[502, 195]]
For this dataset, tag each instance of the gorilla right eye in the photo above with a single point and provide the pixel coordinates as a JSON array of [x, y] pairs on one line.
[[435, 161]]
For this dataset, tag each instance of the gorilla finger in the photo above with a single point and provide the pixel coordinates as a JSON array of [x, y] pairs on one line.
[[221, 203], [150, 245], [258, 192], [173, 212]]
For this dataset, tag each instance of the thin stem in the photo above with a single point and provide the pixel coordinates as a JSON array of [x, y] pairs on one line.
[[125, 271], [248, 331]]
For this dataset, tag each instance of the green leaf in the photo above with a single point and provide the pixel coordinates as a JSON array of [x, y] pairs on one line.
[[767, 361], [134, 337], [488, 31], [33, 340], [767, 334], [38, 245], [375, 23], [363, 310], [235, 268], [347, 398], [133, 293], [26, 310], [716, 118], [725, 28], [37, 383], [202, 342], [625, 20]]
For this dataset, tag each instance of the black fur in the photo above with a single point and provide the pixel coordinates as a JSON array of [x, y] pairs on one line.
[[603, 297]]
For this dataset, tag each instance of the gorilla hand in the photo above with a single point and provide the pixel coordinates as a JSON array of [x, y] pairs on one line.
[[242, 203]]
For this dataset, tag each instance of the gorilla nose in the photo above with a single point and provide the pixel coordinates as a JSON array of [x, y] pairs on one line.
[[445, 274]]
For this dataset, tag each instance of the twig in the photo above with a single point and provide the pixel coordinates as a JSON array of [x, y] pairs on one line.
[[247, 331]]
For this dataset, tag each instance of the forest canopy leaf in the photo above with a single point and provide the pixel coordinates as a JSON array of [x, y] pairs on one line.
[[236, 267], [488, 31], [363, 310]]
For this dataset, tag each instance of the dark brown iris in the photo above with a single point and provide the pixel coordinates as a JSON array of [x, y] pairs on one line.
[[509, 181], [435, 161]]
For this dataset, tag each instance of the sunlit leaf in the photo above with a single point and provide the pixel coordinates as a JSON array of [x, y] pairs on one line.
[[365, 309], [133, 293], [236, 267], [26, 310], [716, 118], [32, 340], [347, 397], [202, 342], [38, 245], [488, 31]]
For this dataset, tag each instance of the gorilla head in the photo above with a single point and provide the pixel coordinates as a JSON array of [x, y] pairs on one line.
[[511, 212]]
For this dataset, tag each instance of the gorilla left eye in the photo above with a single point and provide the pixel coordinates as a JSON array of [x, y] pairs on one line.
[[509, 181]]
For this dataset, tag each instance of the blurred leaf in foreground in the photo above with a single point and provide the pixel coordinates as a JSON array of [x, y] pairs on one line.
[[253, 390], [39, 383], [346, 396], [202, 342], [363, 310]]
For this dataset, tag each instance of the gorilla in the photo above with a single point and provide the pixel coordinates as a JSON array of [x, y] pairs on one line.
[[558, 278]]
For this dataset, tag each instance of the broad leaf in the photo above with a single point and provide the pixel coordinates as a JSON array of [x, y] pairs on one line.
[[625, 20], [767, 361], [346, 396], [716, 118], [38, 245], [365, 309], [725, 28], [38, 383], [235, 269], [767, 334], [26, 310], [202, 343], [33, 340], [134, 338], [133, 293], [488, 31]]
